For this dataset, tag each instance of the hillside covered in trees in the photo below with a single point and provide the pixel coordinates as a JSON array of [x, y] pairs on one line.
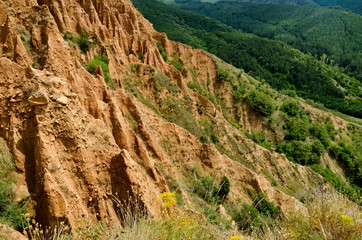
[[281, 66], [351, 5], [329, 33]]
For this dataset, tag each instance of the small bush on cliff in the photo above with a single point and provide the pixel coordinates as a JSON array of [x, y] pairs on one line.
[[26, 37], [214, 217], [162, 51], [224, 188], [259, 138], [300, 152], [11, 213], [261, 102], [175, 61], [169, 203], [222, 75], [264, 206], [205, 187], [101, 61], [292, 108], [247, 218], [256, 217], [82, 41]]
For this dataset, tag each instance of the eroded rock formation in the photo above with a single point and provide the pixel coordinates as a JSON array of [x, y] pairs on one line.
[[78, 144]]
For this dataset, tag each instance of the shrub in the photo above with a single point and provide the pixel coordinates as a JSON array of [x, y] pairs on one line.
[[141, 56], [222, 75], [353, 192], [265, 207], [347, 156], [292, 108], [82, 41], [257, 216], [247, 218], [26, 38], [215, 218], [169, 202], [259, 138], [261, 102], [10, 212], [299, 152], [175, 61], [69, 36], [195, 85], [161, 82], [318, 148], [205, 187], [238, 93], [296, 129], [319, 132], [224, 188], [102, 61], [162, 51]]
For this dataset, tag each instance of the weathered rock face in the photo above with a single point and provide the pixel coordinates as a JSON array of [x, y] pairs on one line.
[[78, 144], [9, 233]]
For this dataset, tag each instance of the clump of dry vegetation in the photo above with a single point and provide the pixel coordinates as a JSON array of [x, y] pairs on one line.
[[330, 216]]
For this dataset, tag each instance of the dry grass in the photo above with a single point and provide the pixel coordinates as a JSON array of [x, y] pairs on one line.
[[331, 217]]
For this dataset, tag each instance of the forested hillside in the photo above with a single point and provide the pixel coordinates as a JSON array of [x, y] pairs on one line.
[[278, 64], [333, 32], [351, 5]]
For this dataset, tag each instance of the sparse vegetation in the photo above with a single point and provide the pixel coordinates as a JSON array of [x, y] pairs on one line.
[[255, 217], [82, 41], [101, 61], [11, 213], [162, 51], [175, 61], [215, 218], [330, 216], [25, 38], [259, 138]]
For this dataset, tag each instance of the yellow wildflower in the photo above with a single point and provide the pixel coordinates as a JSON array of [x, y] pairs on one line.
[[169, 201], [346, 220], [235, 238]]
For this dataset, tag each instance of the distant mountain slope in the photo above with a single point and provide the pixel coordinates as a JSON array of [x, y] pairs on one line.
[[318, 31], [281, 66], [351, 5]]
